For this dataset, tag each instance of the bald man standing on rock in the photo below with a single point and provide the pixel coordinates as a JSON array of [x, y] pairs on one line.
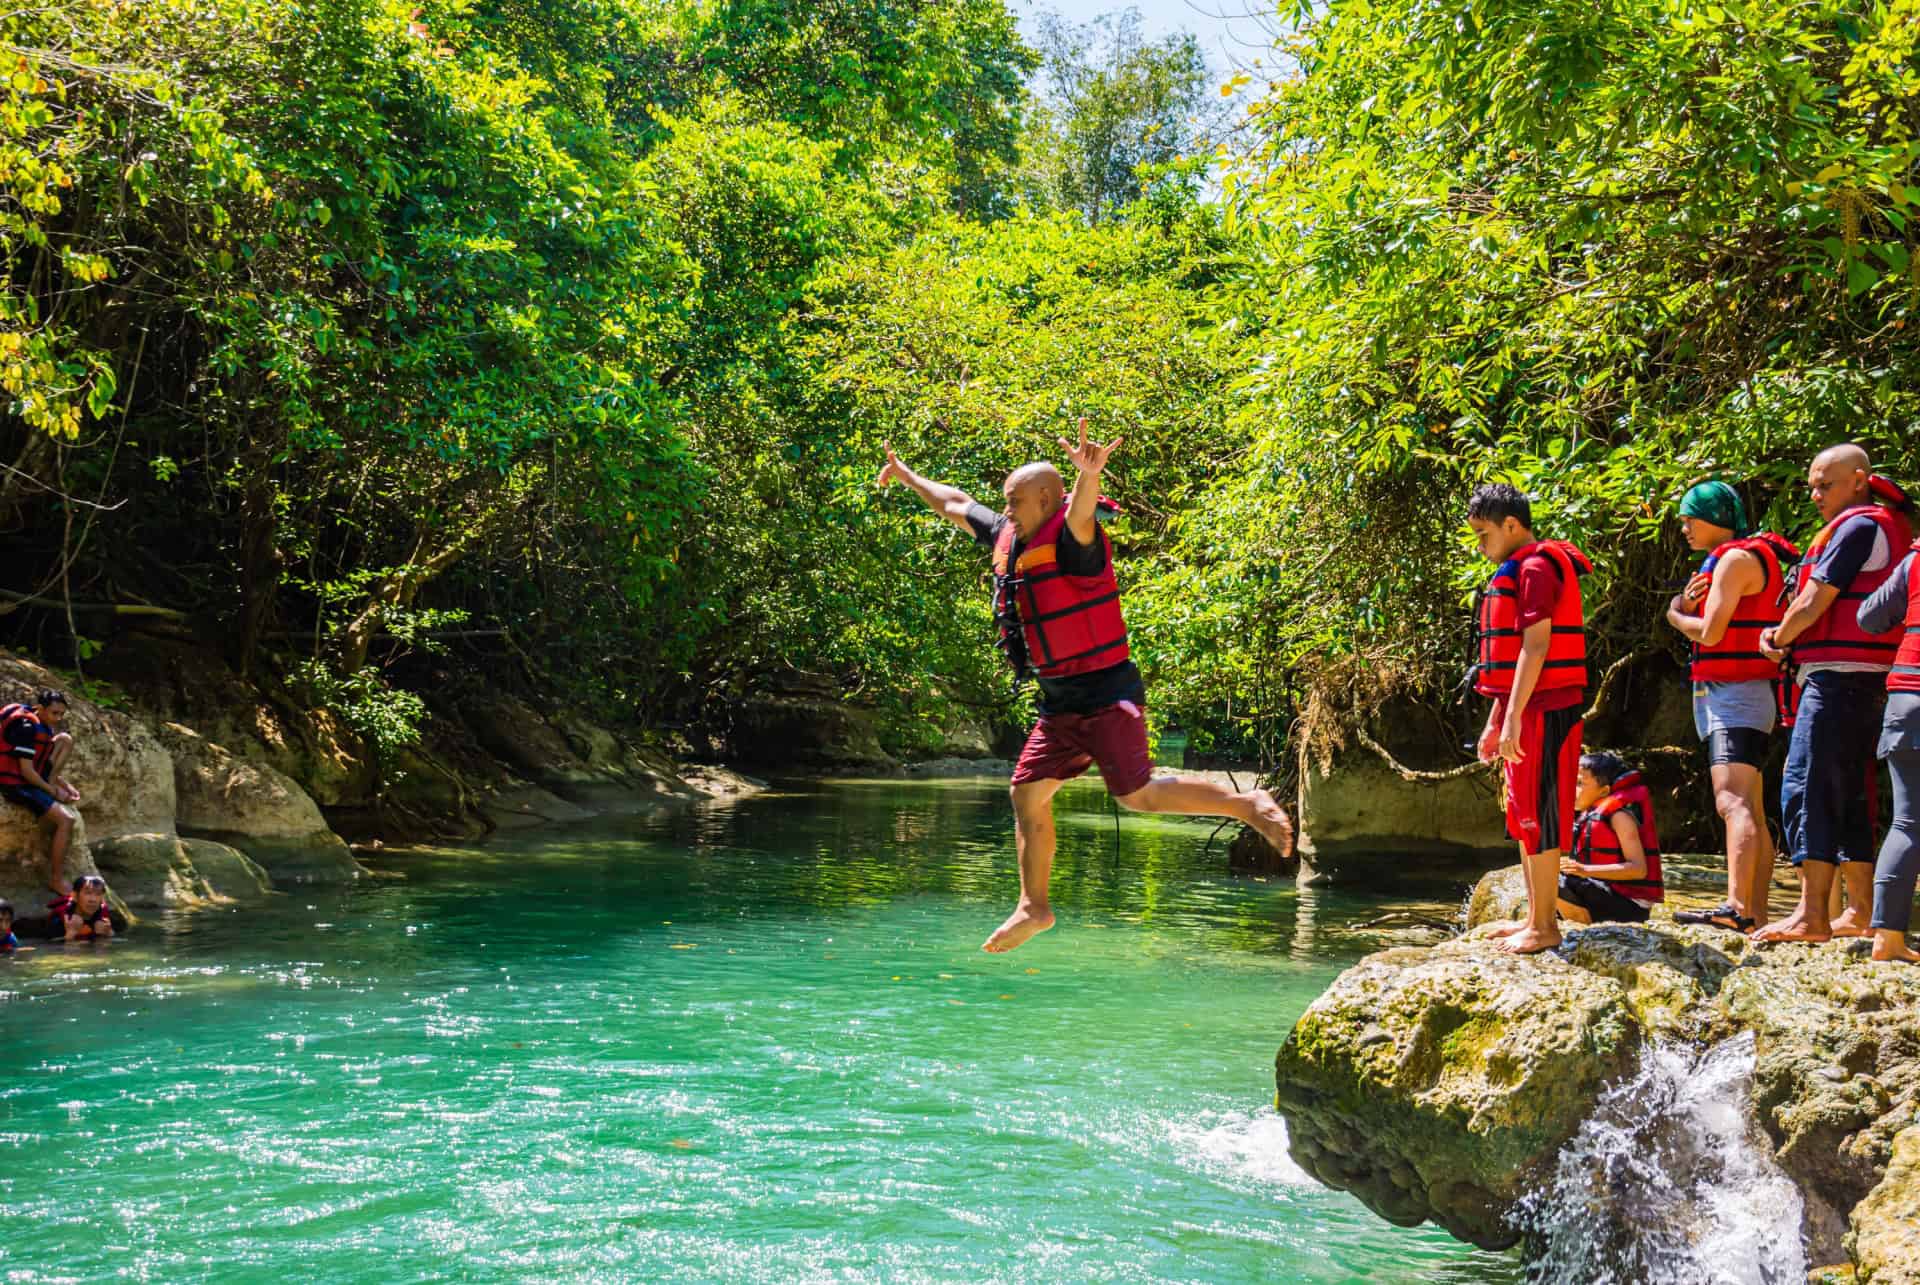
[[1840, 671], [1058, 609]]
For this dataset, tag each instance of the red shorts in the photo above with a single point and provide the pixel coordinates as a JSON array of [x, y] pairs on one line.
[[1062, 746], [1540, 786]]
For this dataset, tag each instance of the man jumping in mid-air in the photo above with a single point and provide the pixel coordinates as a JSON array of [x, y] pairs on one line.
[[1058, 609]]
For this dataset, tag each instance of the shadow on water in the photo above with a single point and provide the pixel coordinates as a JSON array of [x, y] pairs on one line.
[[746, 1042]]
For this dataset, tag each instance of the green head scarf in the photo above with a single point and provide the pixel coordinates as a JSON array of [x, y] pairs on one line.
[[1718, 503]]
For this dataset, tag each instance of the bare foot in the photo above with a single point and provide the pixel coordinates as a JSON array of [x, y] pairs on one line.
[[1851, 923], [1892, 945], [1270, 819], [1793, 928], [1020, 925], [1504, 927], [1529, 941]]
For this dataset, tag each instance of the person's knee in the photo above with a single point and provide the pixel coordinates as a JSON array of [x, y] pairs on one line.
[[1731, 803], [1030, 796]]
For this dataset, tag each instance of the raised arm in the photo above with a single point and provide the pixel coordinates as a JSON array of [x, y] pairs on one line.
[[950, 502], [1089, 460]]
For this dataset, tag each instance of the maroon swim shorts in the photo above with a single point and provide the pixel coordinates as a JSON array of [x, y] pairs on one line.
[[1062, 746]]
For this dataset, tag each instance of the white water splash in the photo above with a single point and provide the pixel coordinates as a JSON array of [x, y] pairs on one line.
[[1670, 1182]]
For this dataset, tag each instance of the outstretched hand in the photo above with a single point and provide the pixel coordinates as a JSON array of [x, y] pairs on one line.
[[892, 471], [1089, 457]]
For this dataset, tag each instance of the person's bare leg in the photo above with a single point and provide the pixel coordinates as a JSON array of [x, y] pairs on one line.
[[1543, 883], [1508, 927], [1760, 891], [1854, 920], [62, 831], [57, 755], [1196, 796], [1573, 913], [1033, 840], [1890, 944], [1809, 921], [1733, 789]]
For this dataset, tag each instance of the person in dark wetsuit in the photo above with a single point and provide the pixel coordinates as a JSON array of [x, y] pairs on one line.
[[1059, 612]]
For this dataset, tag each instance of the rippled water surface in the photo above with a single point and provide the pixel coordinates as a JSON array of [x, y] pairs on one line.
[[754, 1042]]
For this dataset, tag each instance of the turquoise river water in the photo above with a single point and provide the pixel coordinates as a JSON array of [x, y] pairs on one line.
[[752, 1042]]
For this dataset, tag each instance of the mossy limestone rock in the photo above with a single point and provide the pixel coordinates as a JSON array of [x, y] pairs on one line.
[[163, 870], [1885, 1237], [1435, 1083], [250, 806]]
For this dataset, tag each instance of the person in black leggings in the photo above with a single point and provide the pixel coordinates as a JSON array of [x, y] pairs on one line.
[[1899, 864]]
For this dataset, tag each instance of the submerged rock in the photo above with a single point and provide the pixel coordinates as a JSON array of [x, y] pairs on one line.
[[1439, 1083], [166, 870]]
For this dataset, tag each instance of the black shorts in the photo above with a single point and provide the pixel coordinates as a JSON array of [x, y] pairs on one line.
[[1744, 745], [31, 797], [1598, 898]]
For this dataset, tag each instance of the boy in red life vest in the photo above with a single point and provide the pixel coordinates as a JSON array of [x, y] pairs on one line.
[[1738, 592], [1530, 647], [33, 750], [1840, 671], [1058, 607], [82, 915], [1613, 875]]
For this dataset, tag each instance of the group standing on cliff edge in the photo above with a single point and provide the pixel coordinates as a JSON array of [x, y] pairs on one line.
[[1827, 643]]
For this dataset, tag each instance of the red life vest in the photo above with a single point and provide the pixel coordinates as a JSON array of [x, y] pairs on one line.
[[1052, 623], [1497, 638], [10, 717], [1737, 656], [1905, 674], [60, 907], [1596, 844], [1837, 634]]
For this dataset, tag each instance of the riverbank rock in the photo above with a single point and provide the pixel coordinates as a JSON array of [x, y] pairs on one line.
[[1359, 813], [163, 870], [250, 806], [1434, 1083], [1885, 1239]]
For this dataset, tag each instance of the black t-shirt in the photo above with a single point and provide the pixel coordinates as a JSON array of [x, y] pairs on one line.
[[1077, 693]]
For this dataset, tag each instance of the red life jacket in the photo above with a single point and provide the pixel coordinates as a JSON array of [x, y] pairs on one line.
[[1737, 656], [1497, 638], [60, 907], [10, 717], [1596, 844], [1905, 674], [1052, 623], [1837, 634]]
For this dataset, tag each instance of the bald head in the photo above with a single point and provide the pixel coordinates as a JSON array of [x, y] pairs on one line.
[[1837, 479], [1034, 493]]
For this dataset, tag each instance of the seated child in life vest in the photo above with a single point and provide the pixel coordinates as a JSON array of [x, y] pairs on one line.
[[1613, 873], [82, 914]]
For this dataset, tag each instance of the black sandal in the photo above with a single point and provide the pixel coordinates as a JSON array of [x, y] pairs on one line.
[[1721, 916]]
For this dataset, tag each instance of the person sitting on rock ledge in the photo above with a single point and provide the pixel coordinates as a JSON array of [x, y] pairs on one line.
[[34, 750], [1530, 656], [82, 914], [1058, 607], [1613, 875]]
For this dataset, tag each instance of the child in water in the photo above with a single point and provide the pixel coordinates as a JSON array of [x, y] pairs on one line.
[[1613, 873], [83, 913], [8, 942]]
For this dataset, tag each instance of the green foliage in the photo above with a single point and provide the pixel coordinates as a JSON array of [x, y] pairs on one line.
[[386, 717]]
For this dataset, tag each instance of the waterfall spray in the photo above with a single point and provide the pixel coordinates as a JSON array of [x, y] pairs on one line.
[[1670, 1182]]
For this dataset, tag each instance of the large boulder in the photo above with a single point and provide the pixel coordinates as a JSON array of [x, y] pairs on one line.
[[1884, 1240], [1434, 1083], [250, 806], [164, 870], [1437, 1083], [1358, 813]]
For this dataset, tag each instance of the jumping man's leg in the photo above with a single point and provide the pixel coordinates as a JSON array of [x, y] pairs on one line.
[[1033, 839], [1196, 796]]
